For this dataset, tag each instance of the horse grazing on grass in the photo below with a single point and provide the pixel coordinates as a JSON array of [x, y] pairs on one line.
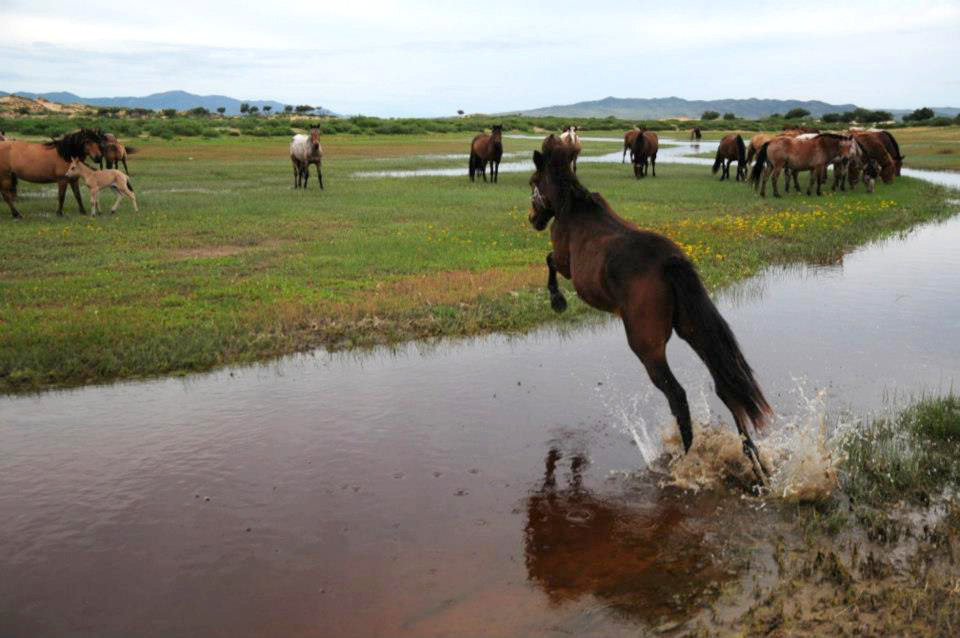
[[731, 149], [799, 155], [645, 279], [628, 138], [304, 151], [695, 134], [570, 139], [46, 162], [890, 143], [486, 148], [114, 152], [875, 146], [98, 180], [645, 147]]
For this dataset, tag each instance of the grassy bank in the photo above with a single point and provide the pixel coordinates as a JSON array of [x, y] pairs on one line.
[[227, 264]]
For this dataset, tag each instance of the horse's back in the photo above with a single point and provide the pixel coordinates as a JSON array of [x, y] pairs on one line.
[[653, 142]]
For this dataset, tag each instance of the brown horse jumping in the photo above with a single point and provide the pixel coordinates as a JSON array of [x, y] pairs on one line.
[[46, 162], [799, 155], [645, 147], [645, 279], [486, 148], [731, 149]]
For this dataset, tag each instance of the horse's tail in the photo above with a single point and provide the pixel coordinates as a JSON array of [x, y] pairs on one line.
[[741, 151], [717, 163], [759, 166], [710, 337], [131, 149]]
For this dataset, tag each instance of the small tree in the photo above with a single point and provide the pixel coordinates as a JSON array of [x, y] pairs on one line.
[[919, 115], [288, 108], [795, 114], [459, 111], [244, 107], [830, 118], [709, 115], [221, 110], [729, 116], [253, 110], [198, 112], [267, 108], [169, 112], [304, 108]]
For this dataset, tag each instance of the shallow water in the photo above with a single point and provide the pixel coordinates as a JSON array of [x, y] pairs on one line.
[[409, 492]]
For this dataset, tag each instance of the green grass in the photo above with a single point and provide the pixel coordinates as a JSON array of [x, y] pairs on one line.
[[911, 456], [226, 263]]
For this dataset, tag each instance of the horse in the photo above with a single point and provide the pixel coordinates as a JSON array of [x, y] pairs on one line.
[[570, 138], [730, 150], [645, 146], [98, 180], [874, 147], [3, 138], [304, 151], [628, 139], [799, 155], [114, 152], [45, 162], [695, 134], [486, 148], [646, 280], [890, 143]]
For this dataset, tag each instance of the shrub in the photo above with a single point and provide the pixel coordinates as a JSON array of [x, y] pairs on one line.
[[794, 114], [729, 116], [709, 115], [830, 118]]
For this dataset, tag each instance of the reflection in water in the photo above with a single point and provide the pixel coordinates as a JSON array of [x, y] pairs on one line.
[[640, 553]]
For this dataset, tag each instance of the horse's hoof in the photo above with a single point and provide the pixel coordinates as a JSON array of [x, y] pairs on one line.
[[558, 303]]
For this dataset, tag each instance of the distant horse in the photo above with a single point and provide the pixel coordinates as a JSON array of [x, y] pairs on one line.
[[114, 152], [799, 155], [877, 145], [731, 149], [304, 151], [486, 148], [570, 139], [46, 162], [645, 147], [628, 139], [98, 180], [695, 134], [3, 138], [645, 279]]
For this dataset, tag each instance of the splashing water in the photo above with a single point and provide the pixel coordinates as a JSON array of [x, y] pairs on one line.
[[799, 448]]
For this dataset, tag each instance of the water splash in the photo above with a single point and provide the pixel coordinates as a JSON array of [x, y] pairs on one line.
[[799, 448]]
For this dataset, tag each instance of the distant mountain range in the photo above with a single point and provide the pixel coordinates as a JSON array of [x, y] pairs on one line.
[[667, 107], [180, 100]]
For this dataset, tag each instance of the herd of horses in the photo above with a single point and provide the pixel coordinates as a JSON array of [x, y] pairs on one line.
[[641, 276]]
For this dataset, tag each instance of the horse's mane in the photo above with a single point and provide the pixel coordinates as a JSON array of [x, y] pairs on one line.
[[835, 136], [893, 140], [71, 145], [558, 157]]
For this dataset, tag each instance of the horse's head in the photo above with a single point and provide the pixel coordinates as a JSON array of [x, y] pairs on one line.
[[496, 131], [94, 143], [74, 169], [314, 141], [549, 182]]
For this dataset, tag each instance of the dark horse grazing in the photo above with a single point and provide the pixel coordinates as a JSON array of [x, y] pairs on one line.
[[628, 139], [731, 149], [645, 279], [486, 148], [695, 134], [645, 146], [45, 162]]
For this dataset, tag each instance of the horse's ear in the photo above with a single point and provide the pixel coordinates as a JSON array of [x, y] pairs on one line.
[[538, 160]]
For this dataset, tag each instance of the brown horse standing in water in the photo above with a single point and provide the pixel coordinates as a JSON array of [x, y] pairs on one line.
[[645, 146], [486, 148], [695, 134], [628, 139], [46, 162], [731, 149], [645, 279], [799, 155]]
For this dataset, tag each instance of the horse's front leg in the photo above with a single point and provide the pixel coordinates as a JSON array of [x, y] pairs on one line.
[[319, 176], [557, 300], [774, 176]]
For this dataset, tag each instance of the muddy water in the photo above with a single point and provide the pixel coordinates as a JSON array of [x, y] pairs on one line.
[[478, 487]]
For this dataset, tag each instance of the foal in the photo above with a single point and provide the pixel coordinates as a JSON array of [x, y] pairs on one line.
[[645, 279], [96, 180]]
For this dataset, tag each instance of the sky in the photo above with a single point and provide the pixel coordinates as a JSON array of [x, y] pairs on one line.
[[420, 58]]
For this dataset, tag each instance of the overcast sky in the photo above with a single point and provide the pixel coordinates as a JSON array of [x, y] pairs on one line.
[[425, 58]]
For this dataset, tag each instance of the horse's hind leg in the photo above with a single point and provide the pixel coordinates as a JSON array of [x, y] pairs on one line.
[[653, 165], [557, 301], [8, 187]]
